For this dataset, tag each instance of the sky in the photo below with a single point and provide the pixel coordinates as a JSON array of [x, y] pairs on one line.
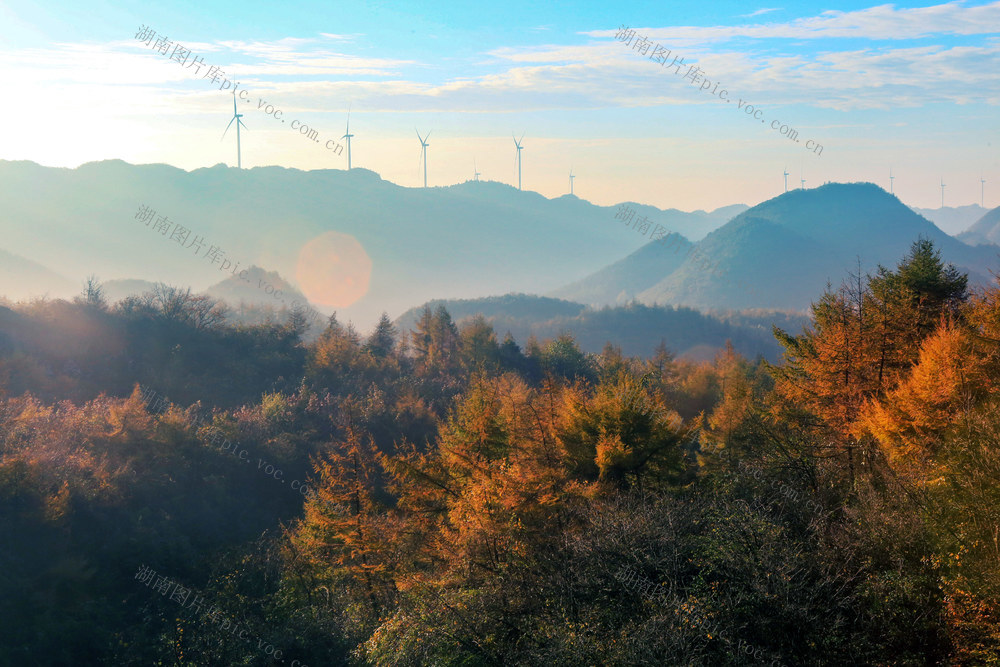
[[910, 87]]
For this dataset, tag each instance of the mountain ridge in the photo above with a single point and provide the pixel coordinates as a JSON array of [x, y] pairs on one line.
[[502, 239]]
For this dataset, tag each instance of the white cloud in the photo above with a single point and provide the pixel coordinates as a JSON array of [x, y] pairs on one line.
[[881, 22], [600, 74], [765, 10]]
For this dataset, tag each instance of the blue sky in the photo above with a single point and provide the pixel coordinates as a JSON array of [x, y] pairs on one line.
[[915, 87]]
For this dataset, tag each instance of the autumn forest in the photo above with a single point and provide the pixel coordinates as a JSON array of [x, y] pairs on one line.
[[180, 489]]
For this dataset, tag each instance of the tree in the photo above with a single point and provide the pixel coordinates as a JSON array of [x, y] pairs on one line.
[[435, 342], [199, 311], [724, 422], [336, 362], [298, 321], [562, 358], [480, 350], [93, 294], [343, 539], [862, 340], [913, 419], [512, 359], [382, 340], [622, 434]]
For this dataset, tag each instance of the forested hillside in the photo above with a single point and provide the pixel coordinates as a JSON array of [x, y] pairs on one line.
[[636, 328], [185, 491]]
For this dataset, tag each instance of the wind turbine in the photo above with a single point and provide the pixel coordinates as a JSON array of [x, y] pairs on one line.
[[237, 118], [891, 178], [802, 183], [982, 191], [475, 172], [517, 142], [786, 179], [423, 151], [348, 136], [942, 192], [571, 177]]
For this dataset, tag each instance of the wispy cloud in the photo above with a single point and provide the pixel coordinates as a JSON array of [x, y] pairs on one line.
[[598, 74], [881, 22], [765, 10]]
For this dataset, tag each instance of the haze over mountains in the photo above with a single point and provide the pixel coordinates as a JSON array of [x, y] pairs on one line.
[[462, 241], [952, 220], [780, 254], [984, 230], [465, 241], [22, 278], [621, 281]]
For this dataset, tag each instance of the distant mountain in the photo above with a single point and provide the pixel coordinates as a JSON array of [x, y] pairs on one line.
[[620, 282], [952, 220], [253, 296], [258, 287], [782, 253], [750, 263], [984, 230], [22, 279], [636, 328], [693, 226], [398, 246]]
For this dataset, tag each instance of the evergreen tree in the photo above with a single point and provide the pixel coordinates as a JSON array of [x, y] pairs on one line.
[[382, 341]]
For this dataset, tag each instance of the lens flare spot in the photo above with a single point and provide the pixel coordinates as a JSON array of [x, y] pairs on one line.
[[333, 270]]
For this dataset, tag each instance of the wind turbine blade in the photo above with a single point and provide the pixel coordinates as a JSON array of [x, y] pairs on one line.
[[418, 135], [244, 125], [521, 139], [428, 136], [227, 128]]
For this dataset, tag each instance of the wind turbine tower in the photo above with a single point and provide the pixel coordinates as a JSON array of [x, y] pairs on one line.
[[517, 142], [786, 179], [942, 192], [891, 179], [475, 172], [423, 151], [982, 191], [571, 177], [348, 136], [802, 183], [238, 119]]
